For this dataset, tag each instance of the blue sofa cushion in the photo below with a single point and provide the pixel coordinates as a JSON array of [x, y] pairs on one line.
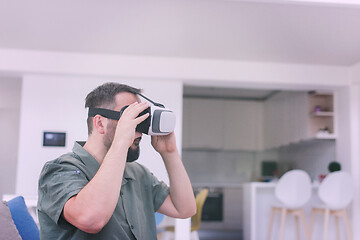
[[24, 223]]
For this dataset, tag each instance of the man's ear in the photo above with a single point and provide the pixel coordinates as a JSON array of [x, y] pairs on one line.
[[99, 124]]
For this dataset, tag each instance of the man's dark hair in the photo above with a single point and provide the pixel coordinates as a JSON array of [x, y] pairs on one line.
[[104, 97]]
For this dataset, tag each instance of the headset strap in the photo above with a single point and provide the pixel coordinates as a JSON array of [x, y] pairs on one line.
[[155, 103], [115, 115]]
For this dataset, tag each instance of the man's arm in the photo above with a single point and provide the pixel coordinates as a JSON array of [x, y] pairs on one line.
[[92, 207], [180, 203]]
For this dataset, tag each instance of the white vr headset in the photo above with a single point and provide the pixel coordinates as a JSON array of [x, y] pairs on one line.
[[161, 121]]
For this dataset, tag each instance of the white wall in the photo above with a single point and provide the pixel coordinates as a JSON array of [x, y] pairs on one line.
[[56, 103], [189, 71], [354, 96], [10, 92]]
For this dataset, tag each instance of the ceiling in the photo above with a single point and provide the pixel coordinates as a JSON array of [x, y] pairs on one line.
[[266, 31]]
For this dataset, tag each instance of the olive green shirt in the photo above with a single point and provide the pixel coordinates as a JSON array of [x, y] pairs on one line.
[[141, 195]]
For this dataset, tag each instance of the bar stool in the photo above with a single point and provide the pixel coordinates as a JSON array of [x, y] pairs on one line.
[[293, 190], [336, 191]]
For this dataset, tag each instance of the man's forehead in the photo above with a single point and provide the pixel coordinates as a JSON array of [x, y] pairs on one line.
[[125, 98]]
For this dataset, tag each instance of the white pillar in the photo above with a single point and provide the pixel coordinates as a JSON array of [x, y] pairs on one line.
[[182, 229], [355, 154]]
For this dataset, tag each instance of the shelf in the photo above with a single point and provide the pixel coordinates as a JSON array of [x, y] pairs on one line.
[[323, 114], [325, 136]]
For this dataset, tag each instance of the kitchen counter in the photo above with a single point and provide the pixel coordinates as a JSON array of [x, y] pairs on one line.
[[258, 198]]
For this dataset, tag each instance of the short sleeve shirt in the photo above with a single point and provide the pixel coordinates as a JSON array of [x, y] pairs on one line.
[[141, 196]]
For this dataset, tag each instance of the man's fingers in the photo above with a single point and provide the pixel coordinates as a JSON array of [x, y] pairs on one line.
[[141, 118], [136, 108]]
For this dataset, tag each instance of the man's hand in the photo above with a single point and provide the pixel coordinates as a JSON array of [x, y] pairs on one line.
[[125, 130], [164, 144]]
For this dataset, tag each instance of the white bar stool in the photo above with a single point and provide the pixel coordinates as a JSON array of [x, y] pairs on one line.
[[293, 190], [336, 191]]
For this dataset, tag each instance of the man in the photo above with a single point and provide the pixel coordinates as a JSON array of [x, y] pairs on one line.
[[98, 192]]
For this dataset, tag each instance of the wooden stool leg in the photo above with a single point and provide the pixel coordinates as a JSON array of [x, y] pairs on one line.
[[326, 223], [270, 223], [305, 226], [282, 227], [313, 212], [337, 228], [297, 226], [347, 225]]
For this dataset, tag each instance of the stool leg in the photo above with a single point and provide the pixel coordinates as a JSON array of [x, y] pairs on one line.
[[303, 220], [347, 225], [337, 228], [297, 226], [270, 223], [326, 223], [282, 227], [313, 212]]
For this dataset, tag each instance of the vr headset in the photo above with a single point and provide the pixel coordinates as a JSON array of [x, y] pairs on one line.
[[161, 121]]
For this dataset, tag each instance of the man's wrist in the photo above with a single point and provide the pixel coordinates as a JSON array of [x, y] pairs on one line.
[[170, 155]]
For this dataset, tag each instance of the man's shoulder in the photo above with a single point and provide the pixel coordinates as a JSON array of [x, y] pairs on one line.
[[67, 159]]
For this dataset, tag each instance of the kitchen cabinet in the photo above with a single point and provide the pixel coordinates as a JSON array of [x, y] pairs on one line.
[[222, 124], [203, 123], [291, 117], [243, 125], [321, 116], [285, 119], [231, 209]]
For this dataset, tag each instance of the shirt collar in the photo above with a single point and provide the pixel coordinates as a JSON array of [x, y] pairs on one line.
[[94, 165], [129, 173], [86, 158]]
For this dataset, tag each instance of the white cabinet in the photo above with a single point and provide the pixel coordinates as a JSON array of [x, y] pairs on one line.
[[290, 117], [243, 125], [285, 118], [203, 123], [222, 124]]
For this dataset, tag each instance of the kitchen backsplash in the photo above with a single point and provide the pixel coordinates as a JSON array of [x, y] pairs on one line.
[[236, 167], [311, 156]]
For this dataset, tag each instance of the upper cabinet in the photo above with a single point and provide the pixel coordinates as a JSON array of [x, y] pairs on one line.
[[290, 117], [284, 118], [222, 124], [203, 123]]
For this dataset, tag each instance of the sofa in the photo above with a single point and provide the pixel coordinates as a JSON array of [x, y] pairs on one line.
[[16, 223]]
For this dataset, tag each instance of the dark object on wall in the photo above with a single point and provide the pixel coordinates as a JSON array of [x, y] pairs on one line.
[[54, 139], [334, 166], [269, 168], [213, 207]]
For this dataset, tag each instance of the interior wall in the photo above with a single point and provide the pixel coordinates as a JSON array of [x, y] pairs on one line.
[[313, 156], [10, 91], [56, 103], [354, 107]]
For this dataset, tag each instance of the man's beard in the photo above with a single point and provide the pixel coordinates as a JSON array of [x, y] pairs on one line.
[[132, 154]]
